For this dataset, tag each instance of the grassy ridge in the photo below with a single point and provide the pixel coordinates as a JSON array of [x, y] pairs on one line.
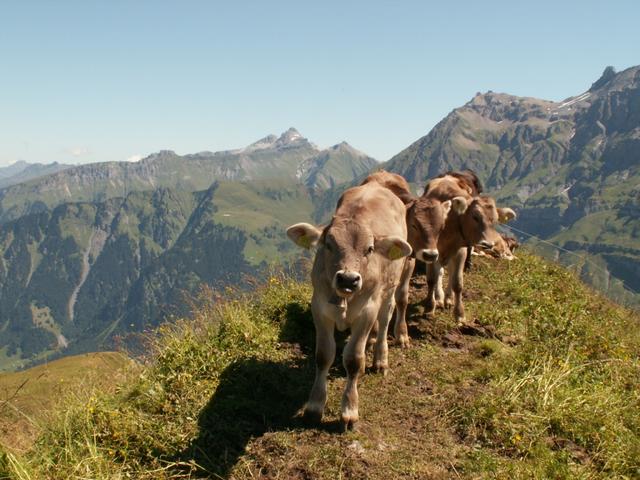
[[27, 397], [543, 382]]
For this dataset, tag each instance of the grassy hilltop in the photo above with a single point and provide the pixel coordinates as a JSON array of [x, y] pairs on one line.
[[544, 382]]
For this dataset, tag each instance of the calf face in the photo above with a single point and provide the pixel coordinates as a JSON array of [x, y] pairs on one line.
[[346, 250], [477, 223], [504, 248], [426, 219]]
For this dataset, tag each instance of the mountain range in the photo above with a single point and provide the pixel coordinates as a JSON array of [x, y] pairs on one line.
[[93, 251], [288, 156], [137, 239], [570, 169], [22, 171]]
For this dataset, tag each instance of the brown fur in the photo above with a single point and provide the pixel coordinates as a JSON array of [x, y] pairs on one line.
[[465, 180], [394, 182], [461, 230]]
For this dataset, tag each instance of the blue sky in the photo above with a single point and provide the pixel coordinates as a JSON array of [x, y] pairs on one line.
[[87, 80]]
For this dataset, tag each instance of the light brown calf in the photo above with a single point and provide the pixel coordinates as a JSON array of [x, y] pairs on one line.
[[357, 267], [471, 224], [425, 218]]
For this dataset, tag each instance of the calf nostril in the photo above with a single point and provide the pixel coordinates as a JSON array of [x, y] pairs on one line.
[[347, 279]]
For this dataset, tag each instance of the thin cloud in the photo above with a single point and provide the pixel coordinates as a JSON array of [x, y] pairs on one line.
[[78, 151], [134, 158]]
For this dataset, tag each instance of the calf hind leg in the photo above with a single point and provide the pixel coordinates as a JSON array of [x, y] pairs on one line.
[[381, 353], [400, 330]]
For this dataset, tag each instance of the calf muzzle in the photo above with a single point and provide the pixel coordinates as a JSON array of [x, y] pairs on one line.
[[427, 255], [347, 283], [486, 244]]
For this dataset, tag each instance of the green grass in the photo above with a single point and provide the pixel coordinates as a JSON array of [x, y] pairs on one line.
[[543, 382], [28, 397]]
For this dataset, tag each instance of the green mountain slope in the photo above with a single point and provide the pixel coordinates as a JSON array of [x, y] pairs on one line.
[[542, 384], [73, 277], [571, 169], [129, 250]]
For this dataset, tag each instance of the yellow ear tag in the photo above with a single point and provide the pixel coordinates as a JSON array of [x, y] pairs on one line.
[[304, 241], [395, 252]]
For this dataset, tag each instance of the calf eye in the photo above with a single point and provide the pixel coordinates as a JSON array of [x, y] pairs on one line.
[[369, 251], [328, 247]]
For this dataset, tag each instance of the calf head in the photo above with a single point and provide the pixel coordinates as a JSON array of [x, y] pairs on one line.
[[478, 221], [503, 247], [348, 253], [426, 218]]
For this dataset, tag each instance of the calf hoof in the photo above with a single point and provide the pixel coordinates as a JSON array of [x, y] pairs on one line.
[[381, 368], [440, 304], [403, 341], [460, 319], [312, 417], [348, 424]]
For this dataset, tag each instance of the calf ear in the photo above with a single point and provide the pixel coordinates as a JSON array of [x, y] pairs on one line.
[[505, 215], [459, 205], [392, 248], [446, 206], [304, 235]]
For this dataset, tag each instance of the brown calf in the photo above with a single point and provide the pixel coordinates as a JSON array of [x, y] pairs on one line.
[[473, 225], [425, 218], [357, 267]]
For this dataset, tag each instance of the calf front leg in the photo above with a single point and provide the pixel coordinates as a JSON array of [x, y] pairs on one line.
[[456, 273], [433, 288], [325, 354], [353, 359], [439, 293], [400, 330]]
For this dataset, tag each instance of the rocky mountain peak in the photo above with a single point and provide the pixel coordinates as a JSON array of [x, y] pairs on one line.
[[606, 76], [344, 147], [289, 137]]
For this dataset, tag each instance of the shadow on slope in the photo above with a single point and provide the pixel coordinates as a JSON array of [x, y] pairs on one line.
[[255, 396]]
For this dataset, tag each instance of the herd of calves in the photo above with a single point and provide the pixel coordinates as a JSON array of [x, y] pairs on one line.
[[365, 257]]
